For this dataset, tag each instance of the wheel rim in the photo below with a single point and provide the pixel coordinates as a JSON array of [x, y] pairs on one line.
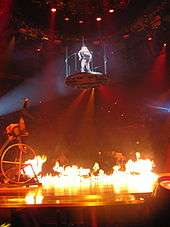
[[12, 162]]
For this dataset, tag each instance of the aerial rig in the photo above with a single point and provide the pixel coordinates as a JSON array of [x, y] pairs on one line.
[[80, 71]]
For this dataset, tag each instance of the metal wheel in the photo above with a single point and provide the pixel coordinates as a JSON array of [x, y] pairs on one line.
[[12, 162]]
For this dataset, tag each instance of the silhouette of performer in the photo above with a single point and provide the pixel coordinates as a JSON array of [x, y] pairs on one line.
[[85, 57], [15, 130]]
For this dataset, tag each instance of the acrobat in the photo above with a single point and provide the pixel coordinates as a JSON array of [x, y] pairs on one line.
[[85, 57]]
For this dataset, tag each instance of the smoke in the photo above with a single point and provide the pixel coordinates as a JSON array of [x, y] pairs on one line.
[[41, 88]]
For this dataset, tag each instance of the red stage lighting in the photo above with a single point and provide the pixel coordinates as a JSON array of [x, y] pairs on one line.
[[111, 10], [149, 38], [53, 10], [98, 19], [66, 19], [126, 36], [81, 21]]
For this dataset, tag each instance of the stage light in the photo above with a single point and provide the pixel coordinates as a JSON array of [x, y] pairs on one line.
[[53, 10], [45, 38], [81, 21], [126, 36], [165, 44], [98, 19], [149, 38], [161, 108], [111, 10], [66, 19]]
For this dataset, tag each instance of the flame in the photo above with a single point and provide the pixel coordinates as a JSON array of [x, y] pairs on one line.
[[34, 197], [34, 166], [136, 177], [140, 165]]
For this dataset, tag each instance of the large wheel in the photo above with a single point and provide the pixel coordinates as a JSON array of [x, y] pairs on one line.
[[12, 163]]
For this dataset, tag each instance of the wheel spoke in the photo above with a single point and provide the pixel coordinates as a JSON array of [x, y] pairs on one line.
[[20, 163], [13, 170], [9, 162], [19, 175]]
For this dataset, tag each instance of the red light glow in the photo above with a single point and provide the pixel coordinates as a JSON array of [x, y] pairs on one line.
[[81, 21], [98, 19], [66, 19], [53, 10], [126, 36], [149, 38], [111, 10]]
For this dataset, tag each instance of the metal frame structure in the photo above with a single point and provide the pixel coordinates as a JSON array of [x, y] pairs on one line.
[[74, 63]]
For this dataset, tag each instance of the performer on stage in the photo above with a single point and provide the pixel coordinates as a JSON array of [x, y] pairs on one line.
[[16, 130], [85, 57]]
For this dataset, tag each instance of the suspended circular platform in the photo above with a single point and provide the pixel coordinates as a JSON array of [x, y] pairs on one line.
[[85, 80]]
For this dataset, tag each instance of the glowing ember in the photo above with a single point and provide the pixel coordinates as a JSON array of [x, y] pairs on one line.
[[137, 176]]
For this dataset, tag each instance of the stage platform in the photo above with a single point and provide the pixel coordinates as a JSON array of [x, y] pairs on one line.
[[37, 196], [75, 206], [23, 206], [86, 80]]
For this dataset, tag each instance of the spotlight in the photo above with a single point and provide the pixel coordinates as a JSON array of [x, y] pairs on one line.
[[98, 19], [81, 21], [126, 36], [53, 10], [149, 38], [66, 19], [165, 44], [111, 10]]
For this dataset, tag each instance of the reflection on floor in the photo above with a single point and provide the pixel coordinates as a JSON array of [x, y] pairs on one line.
[[87, 206]]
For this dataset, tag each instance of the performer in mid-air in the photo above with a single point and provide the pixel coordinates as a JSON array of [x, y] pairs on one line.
[[85, 57]]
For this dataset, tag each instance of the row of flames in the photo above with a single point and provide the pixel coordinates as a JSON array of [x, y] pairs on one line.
[[138, 176]]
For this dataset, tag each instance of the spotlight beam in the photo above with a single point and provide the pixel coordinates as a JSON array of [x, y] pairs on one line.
[[39, 89], [165, 109]]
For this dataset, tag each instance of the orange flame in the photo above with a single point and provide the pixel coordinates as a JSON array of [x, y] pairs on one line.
[[137, 176], [34, 165], [34, 197]]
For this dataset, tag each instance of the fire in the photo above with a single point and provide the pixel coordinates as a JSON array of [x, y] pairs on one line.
[[34, 197], [70, 170], [34, 166], [137, 176], [140, 165]]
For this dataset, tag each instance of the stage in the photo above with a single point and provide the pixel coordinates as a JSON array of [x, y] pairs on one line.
[[36, 196], [77, 206]]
